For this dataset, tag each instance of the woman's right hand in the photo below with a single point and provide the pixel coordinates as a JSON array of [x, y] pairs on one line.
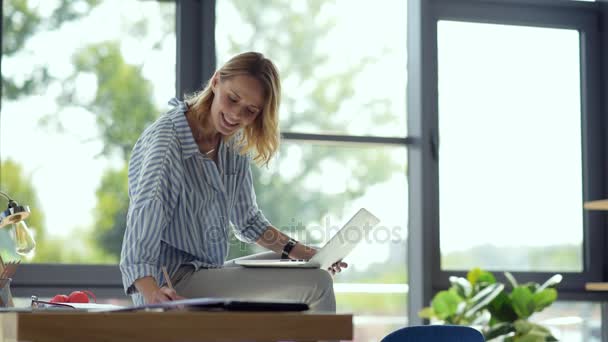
[[161, 294], [152, 293]]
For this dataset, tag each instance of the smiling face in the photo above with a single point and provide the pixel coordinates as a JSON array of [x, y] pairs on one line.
[[237, 102]]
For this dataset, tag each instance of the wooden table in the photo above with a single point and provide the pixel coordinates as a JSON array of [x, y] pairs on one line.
[[173, 326]]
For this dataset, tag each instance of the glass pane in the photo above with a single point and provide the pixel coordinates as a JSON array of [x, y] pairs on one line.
[[310, 191], [343, 70], [510, 169], [80, 82]]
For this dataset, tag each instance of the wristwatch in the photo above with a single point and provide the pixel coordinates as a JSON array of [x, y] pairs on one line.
[[288, 247]]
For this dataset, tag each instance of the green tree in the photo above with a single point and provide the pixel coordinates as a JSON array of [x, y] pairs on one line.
[[22, 20], [123, 107], [111, 211], [123, 100]]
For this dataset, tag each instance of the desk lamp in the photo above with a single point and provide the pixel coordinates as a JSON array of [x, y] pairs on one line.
[[15, 215]]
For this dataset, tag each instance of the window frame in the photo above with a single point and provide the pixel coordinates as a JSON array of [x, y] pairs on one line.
[[424, 201]]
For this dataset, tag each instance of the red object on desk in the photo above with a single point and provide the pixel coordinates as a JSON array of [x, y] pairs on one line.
[[60, 298], [74, 297]]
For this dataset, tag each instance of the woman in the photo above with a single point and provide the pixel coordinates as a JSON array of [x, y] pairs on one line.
[[190, 180]]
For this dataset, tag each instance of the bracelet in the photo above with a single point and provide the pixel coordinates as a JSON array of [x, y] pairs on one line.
[[287, 249]]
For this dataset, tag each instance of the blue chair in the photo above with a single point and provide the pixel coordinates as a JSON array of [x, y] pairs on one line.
[[435, 333]]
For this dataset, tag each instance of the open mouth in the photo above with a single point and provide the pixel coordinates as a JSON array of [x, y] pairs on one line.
[[228, 123]]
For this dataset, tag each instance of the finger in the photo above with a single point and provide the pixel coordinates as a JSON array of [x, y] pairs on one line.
[[160, 298], [170, 293], [343, 265]]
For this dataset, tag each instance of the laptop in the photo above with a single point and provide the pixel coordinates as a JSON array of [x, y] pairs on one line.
[[336, 249]]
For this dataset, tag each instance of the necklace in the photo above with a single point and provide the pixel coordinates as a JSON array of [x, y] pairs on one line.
[[199, 138], [202, 144]]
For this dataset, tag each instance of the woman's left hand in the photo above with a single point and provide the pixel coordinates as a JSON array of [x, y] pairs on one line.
[[337, 267], [307, 252]]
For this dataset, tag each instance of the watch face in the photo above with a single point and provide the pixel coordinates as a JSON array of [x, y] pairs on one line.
[[288, 247]]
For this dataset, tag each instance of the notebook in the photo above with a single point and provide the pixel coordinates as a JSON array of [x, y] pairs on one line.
[[336, 249]]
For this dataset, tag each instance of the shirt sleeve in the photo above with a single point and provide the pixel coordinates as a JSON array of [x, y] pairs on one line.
[[153, 192], [141, 243], [247, 219]]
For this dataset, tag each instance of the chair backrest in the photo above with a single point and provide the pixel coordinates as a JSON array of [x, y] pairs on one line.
[[435, 333]]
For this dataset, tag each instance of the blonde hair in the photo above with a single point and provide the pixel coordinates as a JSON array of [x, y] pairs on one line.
[[261, 136]]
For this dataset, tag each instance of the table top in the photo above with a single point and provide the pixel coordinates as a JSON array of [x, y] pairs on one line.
[[174, 326]]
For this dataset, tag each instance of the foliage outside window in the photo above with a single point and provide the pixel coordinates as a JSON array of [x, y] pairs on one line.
[[332, 86], [75, 99]]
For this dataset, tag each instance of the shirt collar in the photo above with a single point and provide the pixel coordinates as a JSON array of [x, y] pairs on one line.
[[184, 133], [226, 151]]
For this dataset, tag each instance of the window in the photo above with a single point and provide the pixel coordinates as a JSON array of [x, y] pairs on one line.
[[496, 86], [80, 81], [335, 92], [510, 164]]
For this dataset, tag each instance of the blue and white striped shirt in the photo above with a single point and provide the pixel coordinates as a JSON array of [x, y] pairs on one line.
[[182, 203]]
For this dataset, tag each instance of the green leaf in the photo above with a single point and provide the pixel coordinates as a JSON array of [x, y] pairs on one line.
[[427, 313], [486, 277], [523, 301], [522, 326], [473, 275], [544, 298], [483, 298], [531, 332], [501, 308], [462, 286], [539, 328], [445, 304], [531, 337]]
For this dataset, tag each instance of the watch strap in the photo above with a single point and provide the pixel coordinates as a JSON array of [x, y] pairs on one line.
[[288, 247]]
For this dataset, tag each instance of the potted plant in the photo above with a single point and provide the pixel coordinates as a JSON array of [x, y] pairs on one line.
[[480, 301]]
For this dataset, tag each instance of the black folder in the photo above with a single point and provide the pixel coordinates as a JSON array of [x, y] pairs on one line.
[[221, 304]]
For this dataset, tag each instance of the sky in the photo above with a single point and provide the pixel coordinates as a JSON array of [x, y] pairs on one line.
[[509, 120]]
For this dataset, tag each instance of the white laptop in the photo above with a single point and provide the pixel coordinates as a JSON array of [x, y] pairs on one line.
[[336, 249]]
